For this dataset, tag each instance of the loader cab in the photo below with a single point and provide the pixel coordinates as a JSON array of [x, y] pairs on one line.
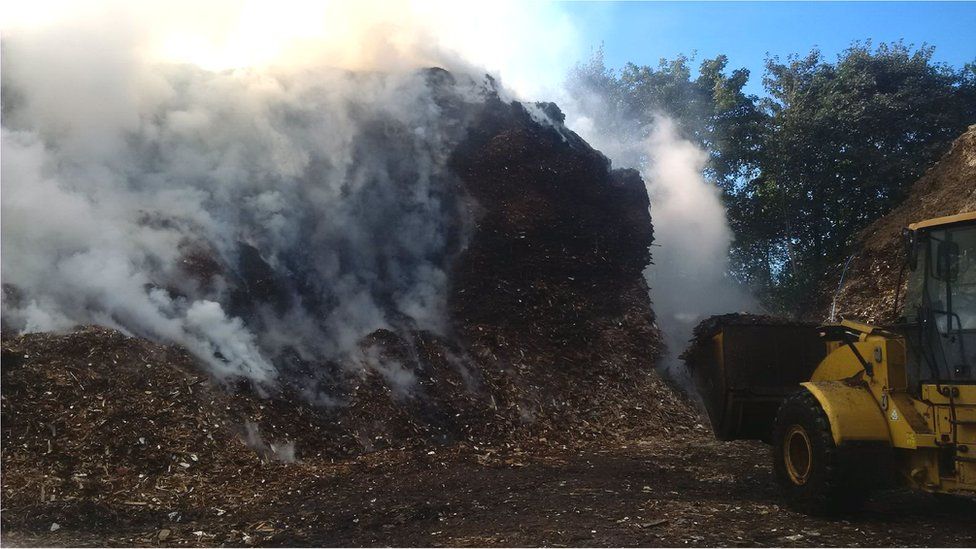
[[940, 305]]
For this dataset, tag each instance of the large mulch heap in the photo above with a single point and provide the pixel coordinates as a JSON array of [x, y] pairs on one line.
[[100, 429], [99, 416], [871, 282], [552, 344]]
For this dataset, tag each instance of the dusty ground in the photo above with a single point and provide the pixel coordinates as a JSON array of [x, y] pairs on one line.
[[672, 492]]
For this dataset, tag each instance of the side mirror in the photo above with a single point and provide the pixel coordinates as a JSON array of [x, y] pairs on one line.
[[910, 240], [947, 261]]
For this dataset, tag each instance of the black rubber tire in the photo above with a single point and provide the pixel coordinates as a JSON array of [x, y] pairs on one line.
[[835, 482]]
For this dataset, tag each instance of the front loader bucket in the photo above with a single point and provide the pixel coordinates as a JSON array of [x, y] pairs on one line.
[[743, 367]]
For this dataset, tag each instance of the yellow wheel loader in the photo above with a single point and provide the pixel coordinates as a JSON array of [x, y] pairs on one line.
[[848, 406]]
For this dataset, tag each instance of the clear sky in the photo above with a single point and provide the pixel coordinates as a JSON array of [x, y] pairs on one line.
[[643, 32]]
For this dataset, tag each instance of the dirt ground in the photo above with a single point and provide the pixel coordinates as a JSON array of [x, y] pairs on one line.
[[115, 441], [657, 492]]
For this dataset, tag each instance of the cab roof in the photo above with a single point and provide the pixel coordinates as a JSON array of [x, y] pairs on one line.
[[939, 221]]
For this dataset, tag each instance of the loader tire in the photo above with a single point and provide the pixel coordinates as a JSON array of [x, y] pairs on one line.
[[815, 475]]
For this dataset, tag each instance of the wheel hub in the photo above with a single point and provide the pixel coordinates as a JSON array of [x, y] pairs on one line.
[[798, 454]]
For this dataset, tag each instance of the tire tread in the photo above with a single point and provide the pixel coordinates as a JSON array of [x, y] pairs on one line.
[[836, 483]]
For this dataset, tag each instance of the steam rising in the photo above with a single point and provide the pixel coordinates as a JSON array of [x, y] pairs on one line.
[[266, 183], [250, 215], [688, 277]]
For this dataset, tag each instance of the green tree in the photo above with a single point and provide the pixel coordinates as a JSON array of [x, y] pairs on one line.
[[711, 109], [844, 143], [833, 145]]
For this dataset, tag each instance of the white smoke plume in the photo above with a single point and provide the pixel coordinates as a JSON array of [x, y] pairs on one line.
[[165, 162], [334, 185], [689, 278], [249, 180], [689, 275]]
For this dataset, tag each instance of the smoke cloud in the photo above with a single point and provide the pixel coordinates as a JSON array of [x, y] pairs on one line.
[[529, 45], [265, 183], [259, 215], [689, 278], [689, 275]]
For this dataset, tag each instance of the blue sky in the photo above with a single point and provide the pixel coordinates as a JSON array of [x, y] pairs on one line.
[[643, 32]]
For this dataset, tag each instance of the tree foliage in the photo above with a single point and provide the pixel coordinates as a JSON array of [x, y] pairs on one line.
[[832, 146], [711, 109]]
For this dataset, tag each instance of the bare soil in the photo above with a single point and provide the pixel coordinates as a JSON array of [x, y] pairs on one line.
[[662, 491]]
